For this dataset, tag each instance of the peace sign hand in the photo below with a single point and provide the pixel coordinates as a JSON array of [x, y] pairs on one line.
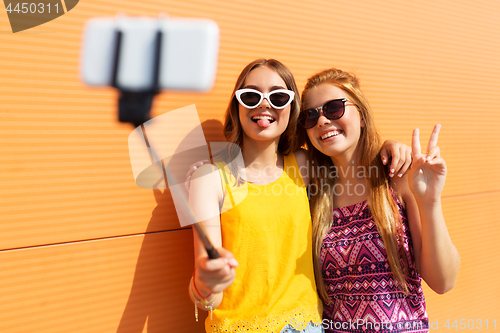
[[427, 174]]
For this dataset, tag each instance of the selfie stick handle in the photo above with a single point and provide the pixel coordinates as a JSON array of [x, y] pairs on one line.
[[134, 106], [211, 251]]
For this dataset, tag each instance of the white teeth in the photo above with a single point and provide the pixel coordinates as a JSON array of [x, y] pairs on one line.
[[263, 117], [329, 135]]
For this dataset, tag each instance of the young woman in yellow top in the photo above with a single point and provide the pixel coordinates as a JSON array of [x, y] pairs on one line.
[[265, 240]]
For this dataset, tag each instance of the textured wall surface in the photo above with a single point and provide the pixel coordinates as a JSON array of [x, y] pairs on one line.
[[83, 249]]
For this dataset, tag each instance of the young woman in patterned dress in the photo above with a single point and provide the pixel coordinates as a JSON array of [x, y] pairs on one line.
[[386, 233]]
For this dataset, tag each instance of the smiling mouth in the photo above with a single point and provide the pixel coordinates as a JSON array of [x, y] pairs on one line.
[[329, 135], [256, 119]]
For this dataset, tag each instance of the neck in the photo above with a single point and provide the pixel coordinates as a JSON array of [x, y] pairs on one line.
[[348, 168], [263, 163], [261, 153], [352, 181]]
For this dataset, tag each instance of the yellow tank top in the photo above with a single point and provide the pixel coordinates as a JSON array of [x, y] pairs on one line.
[[269, 232]]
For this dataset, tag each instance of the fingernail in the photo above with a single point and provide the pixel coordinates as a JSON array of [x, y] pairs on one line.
[[400, 175], [392, 170], [384, 161], [195, 167]]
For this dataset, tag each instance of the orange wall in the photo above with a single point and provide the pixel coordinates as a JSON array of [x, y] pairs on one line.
[[83, 249]]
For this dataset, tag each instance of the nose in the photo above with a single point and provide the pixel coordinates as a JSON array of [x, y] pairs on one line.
[[322, 120], [267, 104]]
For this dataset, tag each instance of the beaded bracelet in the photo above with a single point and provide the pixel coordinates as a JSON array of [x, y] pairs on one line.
[[205, 302]]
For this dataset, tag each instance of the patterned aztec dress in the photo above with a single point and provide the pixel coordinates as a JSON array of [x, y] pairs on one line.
[[364, 293]]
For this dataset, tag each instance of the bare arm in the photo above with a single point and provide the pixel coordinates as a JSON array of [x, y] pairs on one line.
[[436, 257], [211, 276]]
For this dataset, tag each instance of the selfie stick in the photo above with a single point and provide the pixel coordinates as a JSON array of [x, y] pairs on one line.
[[134, 107], [174, 190]]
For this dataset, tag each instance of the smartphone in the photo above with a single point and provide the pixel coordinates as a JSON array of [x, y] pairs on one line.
[[188, 53]]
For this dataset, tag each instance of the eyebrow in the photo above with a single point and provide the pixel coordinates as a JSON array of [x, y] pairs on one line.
[[257, 88]]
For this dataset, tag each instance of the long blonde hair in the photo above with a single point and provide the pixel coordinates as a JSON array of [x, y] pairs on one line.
[[384, 210]]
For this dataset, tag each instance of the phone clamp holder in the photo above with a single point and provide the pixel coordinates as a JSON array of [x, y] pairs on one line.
[[135, 106]]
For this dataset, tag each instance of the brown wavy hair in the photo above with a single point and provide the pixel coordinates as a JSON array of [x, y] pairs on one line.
[[380, 198]]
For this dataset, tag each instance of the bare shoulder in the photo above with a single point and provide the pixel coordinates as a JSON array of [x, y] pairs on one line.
[[205, 169], [206, 181], [301, 158]]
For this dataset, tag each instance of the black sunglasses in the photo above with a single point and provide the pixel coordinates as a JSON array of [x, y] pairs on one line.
[[332, 110]]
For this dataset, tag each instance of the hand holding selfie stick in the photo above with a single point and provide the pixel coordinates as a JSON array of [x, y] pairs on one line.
[[134, 107]]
